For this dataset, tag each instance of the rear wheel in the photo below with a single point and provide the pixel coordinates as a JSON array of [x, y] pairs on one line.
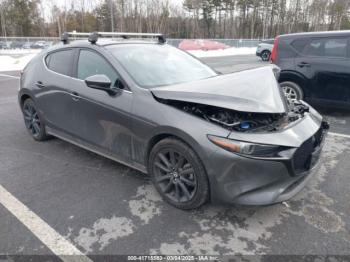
[[178, 174], [292, 90], [33, 122], [265, 56]]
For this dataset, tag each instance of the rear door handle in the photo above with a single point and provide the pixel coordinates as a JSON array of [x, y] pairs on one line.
[[75, 96], [304, 64], [40, 84]]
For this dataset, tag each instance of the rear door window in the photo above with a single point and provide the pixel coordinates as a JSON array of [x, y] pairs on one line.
[[315, 48], [60, 61]]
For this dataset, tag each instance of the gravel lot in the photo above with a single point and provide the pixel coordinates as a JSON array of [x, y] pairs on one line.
[[102, 207]]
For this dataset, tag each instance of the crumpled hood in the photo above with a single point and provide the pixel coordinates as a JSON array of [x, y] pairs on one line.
[[254, 90]]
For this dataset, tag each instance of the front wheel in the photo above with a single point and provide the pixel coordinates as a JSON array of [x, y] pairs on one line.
[[292, 90], [178, 174], [32, 120]]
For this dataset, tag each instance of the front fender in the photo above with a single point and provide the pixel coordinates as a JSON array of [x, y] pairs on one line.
[[198, 144]]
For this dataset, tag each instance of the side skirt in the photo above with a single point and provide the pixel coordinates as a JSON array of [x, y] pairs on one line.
[[93, 149]]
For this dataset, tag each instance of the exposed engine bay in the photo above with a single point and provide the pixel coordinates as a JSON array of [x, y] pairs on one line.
[[243, 121]]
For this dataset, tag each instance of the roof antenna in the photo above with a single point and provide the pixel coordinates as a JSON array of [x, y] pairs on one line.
[[93, 37], [65, 38]]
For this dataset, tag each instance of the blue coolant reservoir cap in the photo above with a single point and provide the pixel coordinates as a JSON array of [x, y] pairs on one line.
[[245, 125]]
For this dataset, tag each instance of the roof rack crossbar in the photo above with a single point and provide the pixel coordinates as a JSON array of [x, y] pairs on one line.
[[93, 37]]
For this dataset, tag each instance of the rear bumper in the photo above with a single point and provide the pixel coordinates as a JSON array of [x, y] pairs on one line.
[[258, 53], [251, 181]]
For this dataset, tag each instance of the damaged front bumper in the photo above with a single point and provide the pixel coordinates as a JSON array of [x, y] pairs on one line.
[[262, 181]]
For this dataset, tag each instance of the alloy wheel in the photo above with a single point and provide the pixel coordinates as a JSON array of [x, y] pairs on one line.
[[290, 93], [265, 56], [32, 120], [175, 175]]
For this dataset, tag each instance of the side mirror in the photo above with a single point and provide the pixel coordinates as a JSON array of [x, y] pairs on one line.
[[101, 82]]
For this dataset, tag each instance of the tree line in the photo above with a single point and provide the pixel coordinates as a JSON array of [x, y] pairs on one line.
[[186, 19]]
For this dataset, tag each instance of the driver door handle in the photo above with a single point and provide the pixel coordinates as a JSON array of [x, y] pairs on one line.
[[75, 96], [39, 84], [304, 64]]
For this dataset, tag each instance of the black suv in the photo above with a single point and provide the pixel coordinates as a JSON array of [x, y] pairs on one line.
[[315, 66]]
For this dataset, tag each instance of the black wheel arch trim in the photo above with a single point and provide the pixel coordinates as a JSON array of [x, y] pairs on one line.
[[24, 95], [168, 131]]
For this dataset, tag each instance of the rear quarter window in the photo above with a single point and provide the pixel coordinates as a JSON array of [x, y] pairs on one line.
[[60, 61]]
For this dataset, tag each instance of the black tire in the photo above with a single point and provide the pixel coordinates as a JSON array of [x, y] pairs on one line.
[[265, 55], [33, 122], [292, 90], [182, 168]]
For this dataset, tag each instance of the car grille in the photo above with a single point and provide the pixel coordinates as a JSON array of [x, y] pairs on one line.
[[307, 155]]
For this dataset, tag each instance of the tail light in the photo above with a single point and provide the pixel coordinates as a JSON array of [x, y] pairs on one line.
[[273, 56]]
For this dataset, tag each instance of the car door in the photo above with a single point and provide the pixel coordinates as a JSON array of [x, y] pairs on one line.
[[103, 119], [325, 62], [53, 90], [333, 78]]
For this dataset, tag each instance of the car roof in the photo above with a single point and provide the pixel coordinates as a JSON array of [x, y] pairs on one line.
[[318, 34], [267, 41], [101, 42]]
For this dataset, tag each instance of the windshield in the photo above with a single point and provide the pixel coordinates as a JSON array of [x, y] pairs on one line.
[[159, 65]]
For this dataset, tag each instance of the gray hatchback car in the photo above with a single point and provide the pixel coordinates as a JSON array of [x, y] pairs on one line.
[[200, 135]]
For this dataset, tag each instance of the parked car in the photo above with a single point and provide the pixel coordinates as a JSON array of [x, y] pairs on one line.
[[27, 45], [315, 66], [201, 44], [264, 49], [199, 135], [17, 45], [39, 45], [6, 45]]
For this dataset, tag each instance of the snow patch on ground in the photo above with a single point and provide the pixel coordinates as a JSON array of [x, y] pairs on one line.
[[103, 232], [19, 51], [8, 63], [144, 206], [224, 52]]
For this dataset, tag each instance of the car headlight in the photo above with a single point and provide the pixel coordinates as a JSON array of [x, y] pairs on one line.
[[249, 149]]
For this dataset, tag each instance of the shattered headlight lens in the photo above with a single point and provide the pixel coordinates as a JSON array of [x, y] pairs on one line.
[[245, 148]]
